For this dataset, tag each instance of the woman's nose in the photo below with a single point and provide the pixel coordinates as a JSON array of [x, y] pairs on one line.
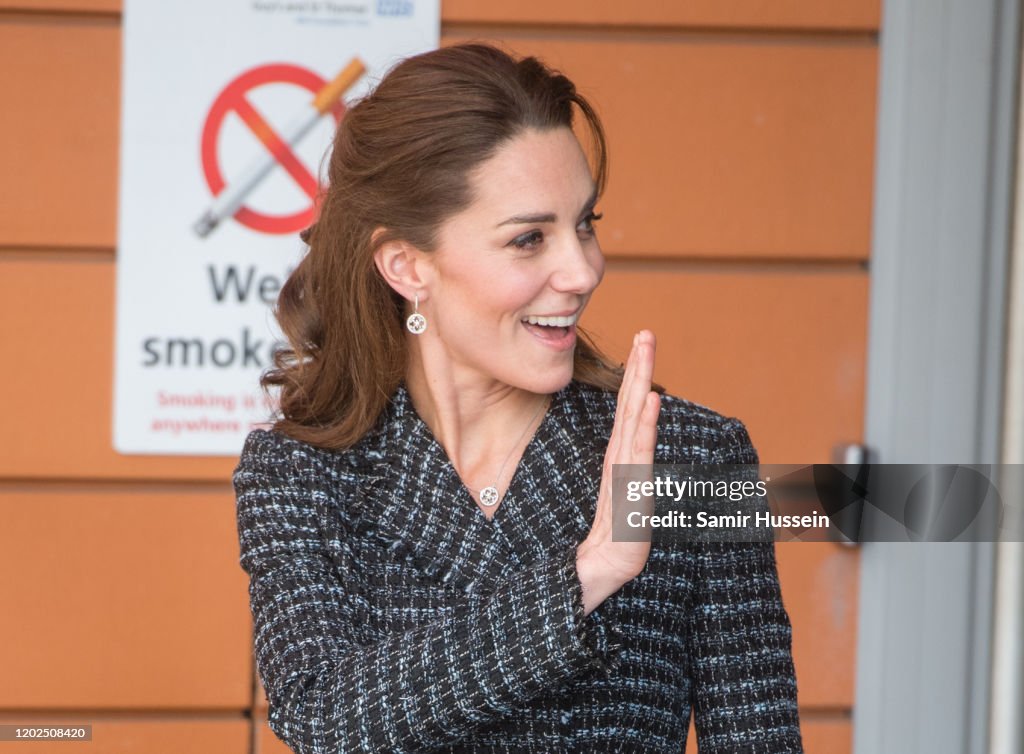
[[580, 267]]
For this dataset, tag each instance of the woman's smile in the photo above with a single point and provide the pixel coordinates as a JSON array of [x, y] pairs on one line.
[[557, 332]]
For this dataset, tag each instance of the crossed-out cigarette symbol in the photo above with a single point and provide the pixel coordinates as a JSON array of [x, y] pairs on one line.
[[279, 149]]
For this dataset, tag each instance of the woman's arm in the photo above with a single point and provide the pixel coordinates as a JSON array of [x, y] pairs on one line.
[[740, 639], [410, 691]]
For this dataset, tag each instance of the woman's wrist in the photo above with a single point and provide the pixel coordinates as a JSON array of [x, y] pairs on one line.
[[596, 583]]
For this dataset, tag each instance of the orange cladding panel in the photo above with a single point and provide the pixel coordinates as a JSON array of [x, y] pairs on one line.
[[819, 589], [63, 6], [781, 349], [828, 734], [144, 734], [854, 15], [59, 154], [125, 597]]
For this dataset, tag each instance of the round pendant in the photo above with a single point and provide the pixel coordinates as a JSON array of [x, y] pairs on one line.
[[489, 496], [416, 323]]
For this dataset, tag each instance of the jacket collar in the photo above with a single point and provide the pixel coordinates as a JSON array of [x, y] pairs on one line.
[[412, 501]]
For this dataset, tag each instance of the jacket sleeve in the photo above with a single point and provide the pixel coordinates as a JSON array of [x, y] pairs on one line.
[[743, 683], [330, 689]]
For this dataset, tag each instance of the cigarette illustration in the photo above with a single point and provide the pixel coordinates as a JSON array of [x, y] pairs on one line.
[[233, 195]]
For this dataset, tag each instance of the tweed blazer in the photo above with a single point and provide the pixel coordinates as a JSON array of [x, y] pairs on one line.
[[390, 615]]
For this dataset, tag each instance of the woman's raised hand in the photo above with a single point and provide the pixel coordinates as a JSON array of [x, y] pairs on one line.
[[603, 564]]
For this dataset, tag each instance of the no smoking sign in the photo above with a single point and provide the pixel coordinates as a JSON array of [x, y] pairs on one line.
[[278, 145]]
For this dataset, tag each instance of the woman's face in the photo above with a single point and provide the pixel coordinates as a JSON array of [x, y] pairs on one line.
[[513, 272]]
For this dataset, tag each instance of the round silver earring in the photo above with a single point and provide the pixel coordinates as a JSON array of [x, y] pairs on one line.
[[416, 323]]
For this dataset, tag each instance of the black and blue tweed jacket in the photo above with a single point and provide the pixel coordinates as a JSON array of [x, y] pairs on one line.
[[390, 615]]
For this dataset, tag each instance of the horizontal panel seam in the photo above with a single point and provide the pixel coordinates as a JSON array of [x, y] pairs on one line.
[[782, 34], [817, 36], [93, 485], [14, 715], [78, 255]]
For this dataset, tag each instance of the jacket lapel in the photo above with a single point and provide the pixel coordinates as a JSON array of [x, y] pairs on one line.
[[410, 498], [412, 501], [551, 502]]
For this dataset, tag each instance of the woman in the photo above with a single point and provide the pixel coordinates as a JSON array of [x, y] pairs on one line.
[[427, 529]]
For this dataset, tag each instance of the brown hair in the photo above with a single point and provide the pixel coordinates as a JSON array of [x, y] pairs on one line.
[[401, 161]]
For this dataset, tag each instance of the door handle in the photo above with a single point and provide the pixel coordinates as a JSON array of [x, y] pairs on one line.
[[855, 460]]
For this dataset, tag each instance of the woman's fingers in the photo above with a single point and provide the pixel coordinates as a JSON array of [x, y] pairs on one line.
[[627, 380], [630, 412], [615, 440], [641, 468], [635, 400], [632, 393], [648, 420], [647, 432], [618, 440]]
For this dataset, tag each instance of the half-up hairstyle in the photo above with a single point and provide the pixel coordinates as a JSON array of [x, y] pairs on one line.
[[401, 161]]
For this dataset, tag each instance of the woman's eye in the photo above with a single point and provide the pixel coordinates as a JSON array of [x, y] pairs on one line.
[[587, 224], [529, 240]]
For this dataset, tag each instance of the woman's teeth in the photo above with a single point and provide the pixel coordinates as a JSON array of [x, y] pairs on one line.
[[557, 332], [552, 321]]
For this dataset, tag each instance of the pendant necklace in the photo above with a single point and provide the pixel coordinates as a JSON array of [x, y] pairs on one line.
[[489, 495]]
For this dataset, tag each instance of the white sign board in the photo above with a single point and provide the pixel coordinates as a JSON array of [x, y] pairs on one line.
[[228, 110]]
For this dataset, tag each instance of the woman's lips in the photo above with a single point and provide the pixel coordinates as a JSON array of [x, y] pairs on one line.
[[556, 338]]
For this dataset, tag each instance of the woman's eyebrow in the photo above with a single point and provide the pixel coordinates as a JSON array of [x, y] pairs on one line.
[[547, 217], [589, 204]]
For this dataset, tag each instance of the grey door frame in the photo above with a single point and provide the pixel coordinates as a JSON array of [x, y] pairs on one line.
[[939, 265]]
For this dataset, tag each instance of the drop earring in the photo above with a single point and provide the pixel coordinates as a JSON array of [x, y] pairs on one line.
[[416, 323]]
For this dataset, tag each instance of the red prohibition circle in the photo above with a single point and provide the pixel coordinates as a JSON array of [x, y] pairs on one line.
[[232, 99]]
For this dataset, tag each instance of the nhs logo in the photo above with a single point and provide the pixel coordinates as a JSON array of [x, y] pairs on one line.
[[394, 7]]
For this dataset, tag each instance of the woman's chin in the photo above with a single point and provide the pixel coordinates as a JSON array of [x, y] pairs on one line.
[[550, 381]]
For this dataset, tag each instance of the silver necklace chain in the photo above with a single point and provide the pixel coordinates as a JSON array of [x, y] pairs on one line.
[[489, 495]]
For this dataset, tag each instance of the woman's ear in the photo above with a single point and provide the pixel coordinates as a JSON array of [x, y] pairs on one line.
[[401, 265]]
